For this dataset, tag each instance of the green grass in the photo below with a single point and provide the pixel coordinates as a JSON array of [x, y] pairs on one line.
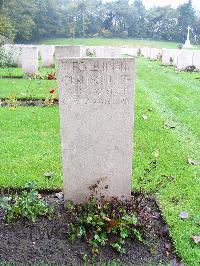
[[171, 98], [26, 88], [18, 73], [11, 72], [112, 42], [30, 146]]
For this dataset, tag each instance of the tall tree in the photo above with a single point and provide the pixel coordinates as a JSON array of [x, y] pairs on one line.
[[186, 17], [137, 20]]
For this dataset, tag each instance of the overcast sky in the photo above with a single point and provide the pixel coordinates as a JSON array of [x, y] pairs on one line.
[[173, 3]]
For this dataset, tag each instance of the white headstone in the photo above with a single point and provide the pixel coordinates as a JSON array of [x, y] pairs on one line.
[[155, 53], [196, 60], [47, 53], [96, 120], [146, 52], [185, 59], [108, 52], [67, 51], [88, 51], [167, 57], [130, 51], [100, 51], [30, 60], [175, 56]]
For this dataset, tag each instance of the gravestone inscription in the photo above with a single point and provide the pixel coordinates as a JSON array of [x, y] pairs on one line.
[[96, 120]]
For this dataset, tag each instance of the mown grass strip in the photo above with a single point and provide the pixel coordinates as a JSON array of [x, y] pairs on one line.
[[175, 183], [30, 147]]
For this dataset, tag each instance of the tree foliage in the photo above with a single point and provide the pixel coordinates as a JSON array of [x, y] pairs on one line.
[[36, 19]]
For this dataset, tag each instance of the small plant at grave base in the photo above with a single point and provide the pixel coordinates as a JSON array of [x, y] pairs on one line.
[[180, 46], [90, 53], [190, 69], [25, 205], [12, 101], [101, 223], [50, 97]]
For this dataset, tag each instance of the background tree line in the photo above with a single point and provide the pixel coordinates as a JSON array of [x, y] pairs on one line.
[[28, 20]]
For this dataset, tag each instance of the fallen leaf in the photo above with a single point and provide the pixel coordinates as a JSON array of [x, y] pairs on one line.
[[169, 126], [145, 117], [171, 178], [175, 262], [110, 224], [48, 175], [164, 231], [155, 153], [191, 161], [196, 239], [169, 247], [183, 215], [59, 195]]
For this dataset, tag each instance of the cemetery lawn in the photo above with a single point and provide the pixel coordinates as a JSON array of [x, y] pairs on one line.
[[18, 73], [167, 134], [111, 42], [26, 88], [30, 147], [107, 42]]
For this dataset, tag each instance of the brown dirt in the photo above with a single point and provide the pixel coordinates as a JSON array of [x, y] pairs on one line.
[[45, 242], [28, 102]]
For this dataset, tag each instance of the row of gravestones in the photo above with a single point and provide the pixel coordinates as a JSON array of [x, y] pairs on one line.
[[96, 120], [27, 57], [96, 103], [180, 58]]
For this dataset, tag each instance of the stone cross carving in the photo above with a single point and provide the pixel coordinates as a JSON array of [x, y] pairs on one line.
[[188, 35], [187, 43]]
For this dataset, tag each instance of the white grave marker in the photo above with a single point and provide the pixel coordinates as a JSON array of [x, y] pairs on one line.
[[196, 59], [185, 59], [67, 51], [47, 53], [96, 120], [167, 57], [30, 60]]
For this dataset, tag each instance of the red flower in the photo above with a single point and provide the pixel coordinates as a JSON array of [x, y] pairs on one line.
[[50, 76], [52, 90]]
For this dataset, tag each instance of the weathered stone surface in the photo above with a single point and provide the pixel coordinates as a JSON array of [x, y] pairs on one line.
[[47, 53], [175, 56], [185, 59], [67, 51], [146, 52], [96, 119], [167, 57], [88, 51], [155, 53], [108, 52], [100, 51], [196, 59], [130, 51], [30, 60]]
